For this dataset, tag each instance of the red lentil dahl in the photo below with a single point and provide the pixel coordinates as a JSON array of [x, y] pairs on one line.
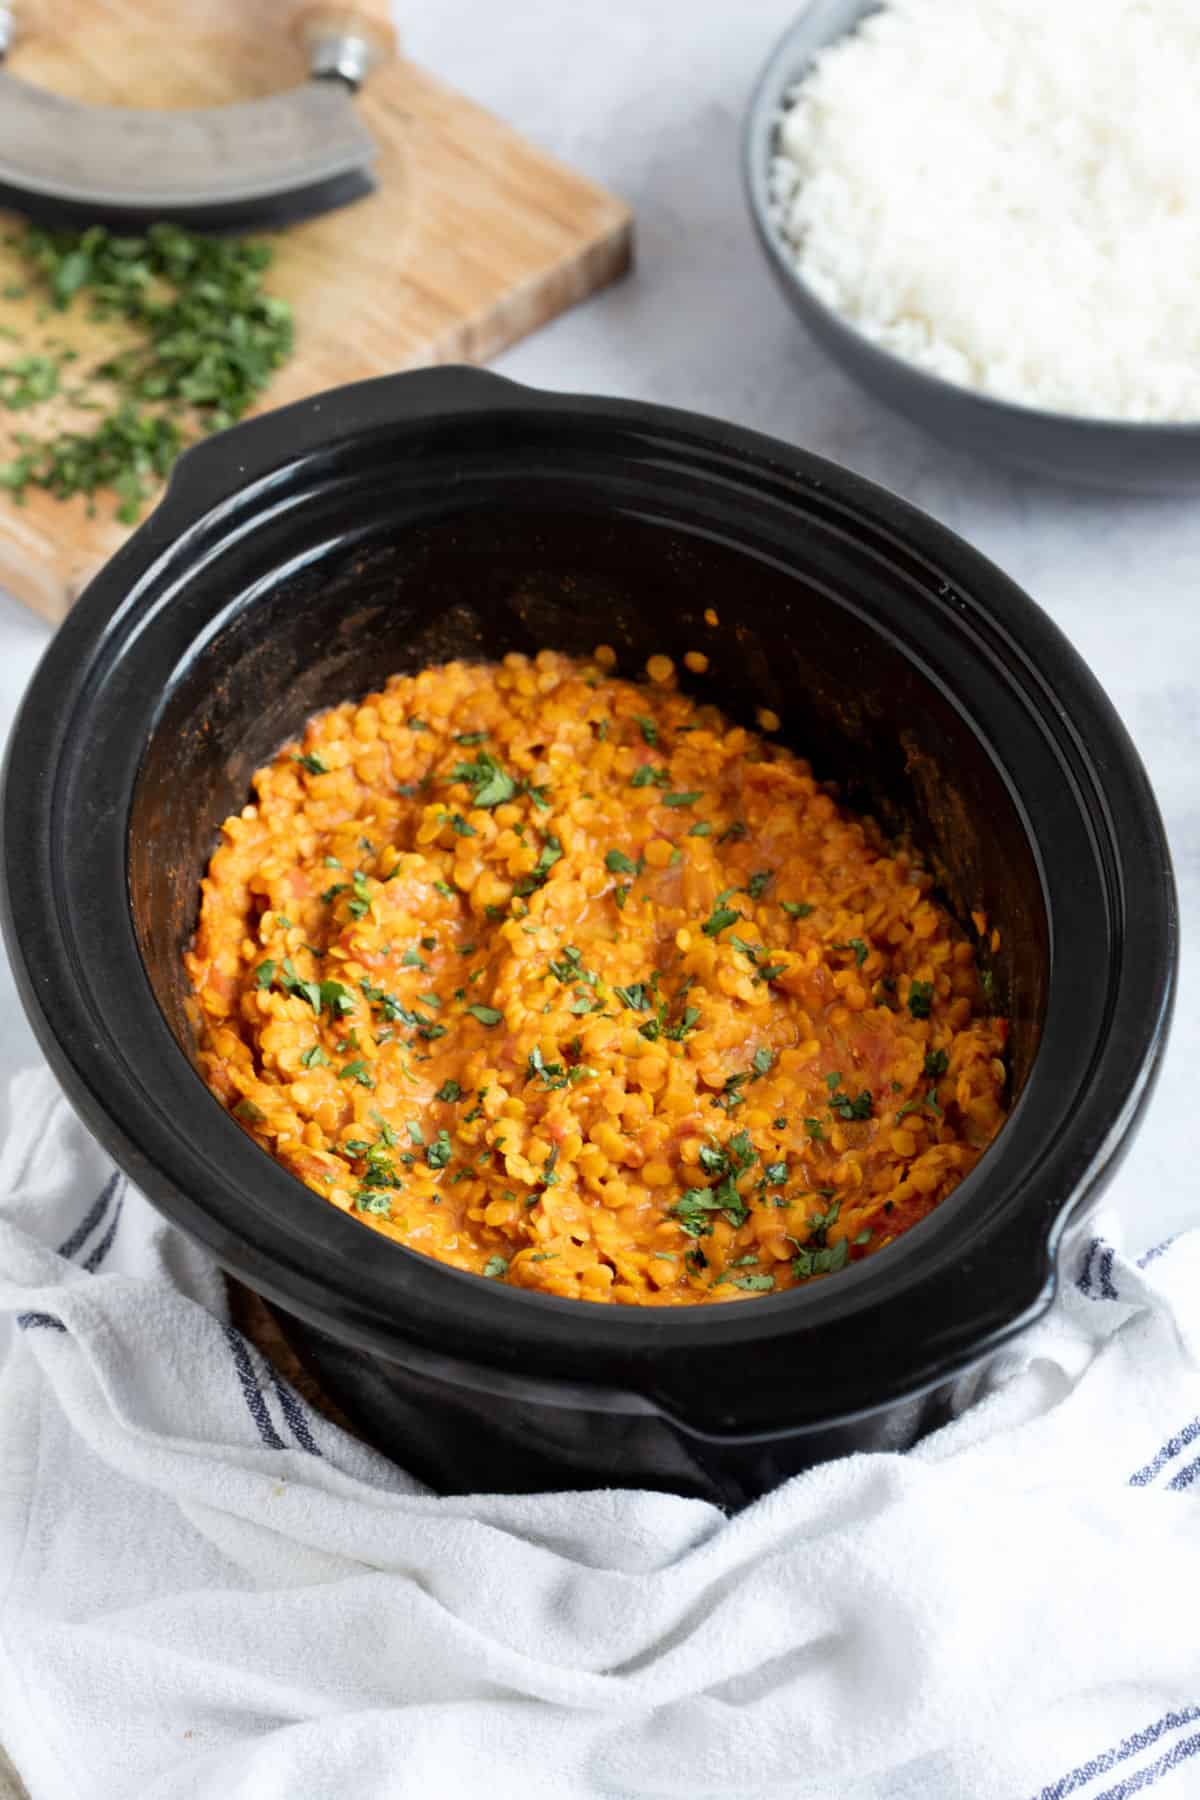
[[567, 981]]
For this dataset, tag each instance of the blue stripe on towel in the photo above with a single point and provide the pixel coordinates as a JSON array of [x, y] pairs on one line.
[[1103, 1269], [1153, 1772], [1154, 1252], [1084, 1284], [92, 1218], [1168, 1453], [96, 1257], [1189, 1473], [27, 1320], [1108, 1759], [1106, 1262], [254, 1398], [293, 1411]]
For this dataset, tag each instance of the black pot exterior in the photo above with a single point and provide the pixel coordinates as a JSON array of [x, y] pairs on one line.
[[299, 559], [1118, 454]]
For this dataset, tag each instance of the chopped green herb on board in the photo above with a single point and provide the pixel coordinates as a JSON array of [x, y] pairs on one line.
[[206, 340]]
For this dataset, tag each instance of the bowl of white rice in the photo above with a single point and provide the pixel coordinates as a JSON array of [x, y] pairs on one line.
[[988, 211]]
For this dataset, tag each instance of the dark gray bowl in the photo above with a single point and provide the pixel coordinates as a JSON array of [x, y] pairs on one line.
[[1112, 453]]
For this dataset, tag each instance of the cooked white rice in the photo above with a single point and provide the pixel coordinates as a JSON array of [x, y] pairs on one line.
[[1007, 193]]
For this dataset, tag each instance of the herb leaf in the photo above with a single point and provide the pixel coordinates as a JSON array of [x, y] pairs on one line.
[[491, 783], [920, 999], [617, 863]]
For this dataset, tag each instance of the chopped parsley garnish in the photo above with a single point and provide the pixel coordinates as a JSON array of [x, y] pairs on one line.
[[637, 996], [617, 863], [825, 1261], [757, 883], [920, 999], [440, 1151], [936, 1064], [776, 1174], [331, 893], [415, 724], [461, 827], [415, 1135], [648, 776], [551, 853], [312, 763], [370, 1200], [621, 895], [445, 890], [335, 999], [849, 1109], [718, 919], [815, 1130], [695, 1209], [314, 1057], [569, 968], [487, 1015], [495, 1266], [861, 952], [682, 799], [649, 729], [731, 1094], [467, 738], [755, 1284], [763, 1061], [491, 783], [410, 960], [553, 1074], [689, 1022], [265, 974], [361, 903], [357, 1071], [799, 909], [701, 828], [771, 971], [734, 833], [449, 1091]]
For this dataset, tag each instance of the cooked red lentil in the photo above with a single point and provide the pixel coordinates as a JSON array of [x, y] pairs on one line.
[[567, 981]]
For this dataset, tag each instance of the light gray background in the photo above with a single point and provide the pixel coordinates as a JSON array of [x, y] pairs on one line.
[[649, 99]]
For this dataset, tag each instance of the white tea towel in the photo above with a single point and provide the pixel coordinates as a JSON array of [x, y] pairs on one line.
[[206, 1590]]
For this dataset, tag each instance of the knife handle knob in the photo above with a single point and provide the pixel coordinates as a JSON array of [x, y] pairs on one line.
[[346, 39]]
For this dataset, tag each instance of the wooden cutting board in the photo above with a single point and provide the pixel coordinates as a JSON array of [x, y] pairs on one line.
[[473, 238]]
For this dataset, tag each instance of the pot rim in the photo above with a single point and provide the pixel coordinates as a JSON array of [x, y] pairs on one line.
[[201, 1174]]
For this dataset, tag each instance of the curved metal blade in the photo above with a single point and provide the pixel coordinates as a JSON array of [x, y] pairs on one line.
[[224, 161]]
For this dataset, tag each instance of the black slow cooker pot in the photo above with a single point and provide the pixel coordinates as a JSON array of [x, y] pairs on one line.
[[299, 559]]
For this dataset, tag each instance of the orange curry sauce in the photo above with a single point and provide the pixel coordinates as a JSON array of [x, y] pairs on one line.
[[567, 981]]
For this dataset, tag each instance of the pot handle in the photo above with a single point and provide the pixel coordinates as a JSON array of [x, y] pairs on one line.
[[224, 465]]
